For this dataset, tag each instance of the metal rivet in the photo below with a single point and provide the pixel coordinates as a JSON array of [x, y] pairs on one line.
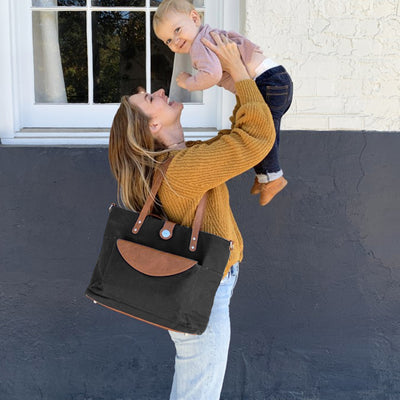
[[135, 230], [192, 247], [194, 238], [94, 301], [139, 222]]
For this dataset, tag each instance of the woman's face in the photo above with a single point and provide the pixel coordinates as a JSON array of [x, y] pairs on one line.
[[157, 106], [164, 115]]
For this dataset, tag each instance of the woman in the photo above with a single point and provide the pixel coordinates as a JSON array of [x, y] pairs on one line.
[[145, 131]]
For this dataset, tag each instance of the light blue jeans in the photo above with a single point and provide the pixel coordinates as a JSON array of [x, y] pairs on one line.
[[200, 360]]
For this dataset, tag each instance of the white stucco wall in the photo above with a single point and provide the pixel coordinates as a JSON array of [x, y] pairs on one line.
[[343, 55]]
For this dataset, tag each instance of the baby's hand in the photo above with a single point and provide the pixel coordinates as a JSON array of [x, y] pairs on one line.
[[181, 79]]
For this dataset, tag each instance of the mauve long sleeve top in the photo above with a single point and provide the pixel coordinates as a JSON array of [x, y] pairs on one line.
[[207, 64]]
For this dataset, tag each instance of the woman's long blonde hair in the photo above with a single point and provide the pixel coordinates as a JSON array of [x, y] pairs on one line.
[[132, 154]]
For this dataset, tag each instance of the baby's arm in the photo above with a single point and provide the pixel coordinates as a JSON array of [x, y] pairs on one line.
[[208, 66]]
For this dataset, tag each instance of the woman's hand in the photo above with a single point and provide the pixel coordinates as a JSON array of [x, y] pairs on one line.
[[229, 56]]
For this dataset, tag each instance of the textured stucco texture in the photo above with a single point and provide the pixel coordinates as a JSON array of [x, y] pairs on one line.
[[343, 55], [315, 313]]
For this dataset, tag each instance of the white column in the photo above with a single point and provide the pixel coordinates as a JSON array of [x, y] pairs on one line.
[[229, 18], [6, 97]]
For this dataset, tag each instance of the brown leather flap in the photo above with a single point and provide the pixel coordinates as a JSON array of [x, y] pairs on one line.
[[153, 262]]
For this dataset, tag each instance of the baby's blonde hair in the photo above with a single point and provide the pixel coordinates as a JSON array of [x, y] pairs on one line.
[[180, 6]]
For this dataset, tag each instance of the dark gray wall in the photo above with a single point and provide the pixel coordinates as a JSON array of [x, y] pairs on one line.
[[315, 315]]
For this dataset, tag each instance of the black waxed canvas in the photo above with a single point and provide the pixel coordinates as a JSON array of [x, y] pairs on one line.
[[180, 302]]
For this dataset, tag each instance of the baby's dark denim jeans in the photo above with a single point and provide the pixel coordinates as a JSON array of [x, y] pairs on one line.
[[276, 87]]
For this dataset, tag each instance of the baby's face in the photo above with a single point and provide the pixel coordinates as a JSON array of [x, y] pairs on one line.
[[178, 30]]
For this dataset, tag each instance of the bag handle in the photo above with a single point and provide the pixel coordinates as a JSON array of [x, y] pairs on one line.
[[148, 206]]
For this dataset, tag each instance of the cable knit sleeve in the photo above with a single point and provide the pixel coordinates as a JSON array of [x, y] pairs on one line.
[[205, 165]]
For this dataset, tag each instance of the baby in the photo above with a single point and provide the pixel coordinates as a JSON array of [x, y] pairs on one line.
[[178, 25]]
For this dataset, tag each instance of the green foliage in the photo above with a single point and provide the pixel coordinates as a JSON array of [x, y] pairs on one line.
[[73, 47], [119, 55]]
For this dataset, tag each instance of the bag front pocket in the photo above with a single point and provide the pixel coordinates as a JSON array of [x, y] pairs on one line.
[[169, 295], [153, 262]]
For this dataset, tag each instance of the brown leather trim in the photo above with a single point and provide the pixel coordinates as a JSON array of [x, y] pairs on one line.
[[140, 319], [153, 262], [198, 220], [148, 205], [167, 230]]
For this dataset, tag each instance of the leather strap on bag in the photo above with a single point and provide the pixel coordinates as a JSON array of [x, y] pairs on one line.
[[198, 220], [148, 206]]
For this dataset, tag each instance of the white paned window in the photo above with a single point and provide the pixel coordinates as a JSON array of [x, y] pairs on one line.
[[74, 59]]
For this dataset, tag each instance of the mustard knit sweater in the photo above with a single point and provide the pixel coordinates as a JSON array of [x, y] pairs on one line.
[[206, 165]]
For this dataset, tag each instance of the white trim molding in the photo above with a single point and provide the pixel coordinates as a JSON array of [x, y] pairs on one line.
[[95, 137]]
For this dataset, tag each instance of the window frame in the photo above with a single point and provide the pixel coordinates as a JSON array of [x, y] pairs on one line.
[[14, 128]]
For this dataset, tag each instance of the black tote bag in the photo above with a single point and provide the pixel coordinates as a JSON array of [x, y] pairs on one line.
[[158, 271]]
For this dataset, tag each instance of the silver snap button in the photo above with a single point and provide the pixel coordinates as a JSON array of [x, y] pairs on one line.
[[165, 233]]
